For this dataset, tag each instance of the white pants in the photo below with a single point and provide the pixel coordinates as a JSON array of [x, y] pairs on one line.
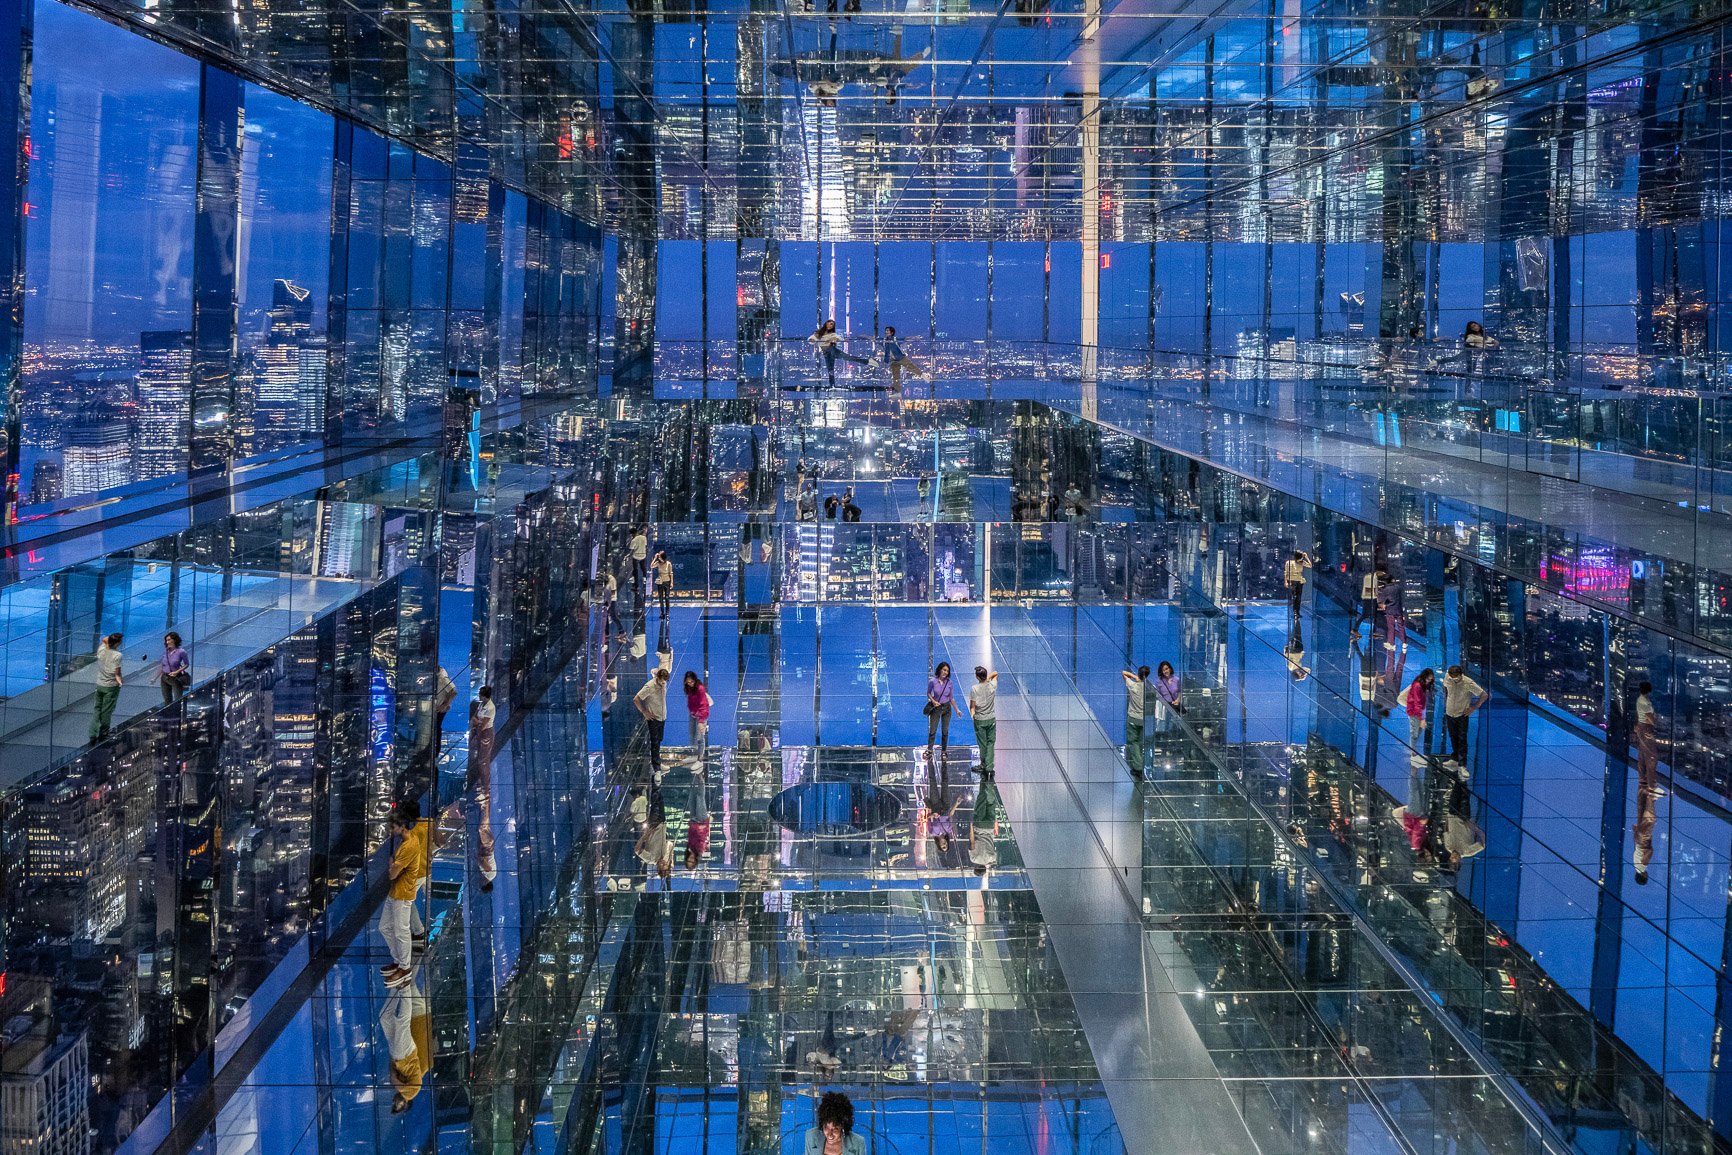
[[400, 925], [396, 919], [397, 1019]]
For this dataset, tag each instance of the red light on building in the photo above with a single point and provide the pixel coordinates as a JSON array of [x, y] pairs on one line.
[[1106, 260], [565, 146]]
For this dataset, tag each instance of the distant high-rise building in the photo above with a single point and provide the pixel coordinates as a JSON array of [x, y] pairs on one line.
[[98, 456], [162, 391], [312, 387], [44, 1076], [47, 483]]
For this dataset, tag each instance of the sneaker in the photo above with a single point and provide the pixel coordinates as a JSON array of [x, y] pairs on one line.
[[399, 980], [1399, 814], [393, 972]]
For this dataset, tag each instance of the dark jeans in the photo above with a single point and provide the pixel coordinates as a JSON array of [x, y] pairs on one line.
[[831, 353], [664, 595], [174, 685], [1295, 594], [655, 728], [1457, 727], [936, 723]]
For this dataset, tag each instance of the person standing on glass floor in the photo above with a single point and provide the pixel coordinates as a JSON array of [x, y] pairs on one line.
[[983, 708]]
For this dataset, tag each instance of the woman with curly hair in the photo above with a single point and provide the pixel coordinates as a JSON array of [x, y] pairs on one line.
[[834, 1134]]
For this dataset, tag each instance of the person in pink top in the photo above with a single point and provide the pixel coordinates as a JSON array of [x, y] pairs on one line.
[[698, 703], [1416, 700]]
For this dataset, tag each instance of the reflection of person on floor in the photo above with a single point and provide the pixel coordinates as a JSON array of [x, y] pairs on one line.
[[895, 1044], [983, 830], [1294, 651], [484, 857], [824, 1059], [1646, 797], [1462, 836], [653, 848], [399, 920], [698, 826], [407, 1022], [941, 820]]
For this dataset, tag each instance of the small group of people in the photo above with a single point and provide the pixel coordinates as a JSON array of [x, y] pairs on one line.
[[1166, 706], [888, 354], [1461, 697], [982, 700], [651, 703], [653, 846], [983, 829], [844, 505], [173, 675]]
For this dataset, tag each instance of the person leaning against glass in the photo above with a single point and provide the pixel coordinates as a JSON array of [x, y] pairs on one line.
[[1167, 694], [983, 708], [108, 682]]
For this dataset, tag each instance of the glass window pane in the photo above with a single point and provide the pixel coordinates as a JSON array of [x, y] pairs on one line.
[[109, 239]]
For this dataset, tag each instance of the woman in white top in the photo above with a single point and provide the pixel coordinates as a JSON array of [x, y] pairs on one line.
[[829, 343]]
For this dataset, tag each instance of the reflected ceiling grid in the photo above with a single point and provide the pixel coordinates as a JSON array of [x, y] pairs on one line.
[[966, 124]]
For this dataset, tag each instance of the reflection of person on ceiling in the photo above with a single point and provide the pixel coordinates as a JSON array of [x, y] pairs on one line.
[[826, 74]]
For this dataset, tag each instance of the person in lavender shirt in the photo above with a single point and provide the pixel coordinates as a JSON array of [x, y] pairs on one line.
[[1167, 692], [174, 672], [940, 705]]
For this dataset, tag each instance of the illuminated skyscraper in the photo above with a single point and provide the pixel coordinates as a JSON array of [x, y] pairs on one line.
[[161, 427], [98, 456], [283, 396]]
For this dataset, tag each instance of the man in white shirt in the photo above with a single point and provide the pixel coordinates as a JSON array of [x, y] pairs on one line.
[[640, 556], [1461, 697], [983, 838], [983, 708], [107, 686], [652, 702], [1136, 686]]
